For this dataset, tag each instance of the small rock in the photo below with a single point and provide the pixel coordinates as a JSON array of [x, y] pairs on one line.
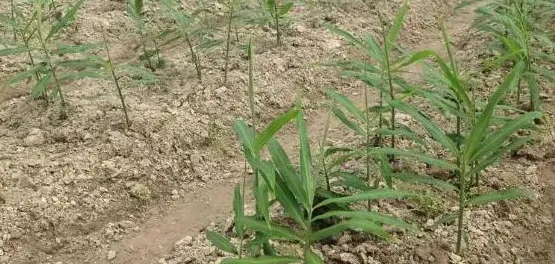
[[111, 254], [422, 253], [34, 138], [349, 258], [220, 92], [344, 239], [140, 192], [186, 241], [531, 170]]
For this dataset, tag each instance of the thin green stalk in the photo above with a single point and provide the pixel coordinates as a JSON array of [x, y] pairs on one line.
[[276, 17], [462, 203], [323, 149], [228, 40], [367, 117], [390, 83], [145, 51], [120, 94], [194, 57], [63, 114], [13, 19], [157, 49]]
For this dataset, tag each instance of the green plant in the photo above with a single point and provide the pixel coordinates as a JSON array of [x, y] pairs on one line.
[[196, 37], [135, 11], [111, 68], [273, 12], [233, 8], [380, 71], [296, 191], [520, 37], [481, 142], [38, 36]]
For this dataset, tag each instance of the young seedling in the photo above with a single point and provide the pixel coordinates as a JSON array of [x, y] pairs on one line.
[[297, 193], [520, 37], [49, 70], [381, 72], [116, 83], [135, 11], [196, 37], [233, 7], [273, 13], [481, 146]]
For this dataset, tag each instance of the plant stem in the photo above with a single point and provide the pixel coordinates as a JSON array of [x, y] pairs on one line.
[[462, 203], [157, 49], [228, 40], [367, 121], [120, 94], [323, 149], [13, 19], [63, 113], [145, 51], [390, 83], [194, 57], [276, 17]]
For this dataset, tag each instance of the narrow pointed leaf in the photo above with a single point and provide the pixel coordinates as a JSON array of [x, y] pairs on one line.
[[261, 260], [273, 231], [220, 242], [367, 196], [499, 196]]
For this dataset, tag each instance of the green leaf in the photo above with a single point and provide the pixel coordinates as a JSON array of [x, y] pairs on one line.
[[430, 126], [261, 260], [416, 57], [238, 211], [290, 205], [312, 258], [273, 231], [499, 196], [41, 86], [305, 160], [368, 215], [220, 242], [347, 104], [286, 172], [424, 179], [393, 33], [347, 36], [367, 196], [66, 20], [346, 121], [351, 180], [284, 9], [479, 130], [494, 141], [416, 155], [366, 226], [262, 197], [14, 51], [273, 128]]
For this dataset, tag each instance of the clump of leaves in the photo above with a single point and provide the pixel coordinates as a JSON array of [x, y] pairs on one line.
[[197, 38], [296, 191]]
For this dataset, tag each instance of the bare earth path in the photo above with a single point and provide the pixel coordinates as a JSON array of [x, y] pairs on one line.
[[187, 216]]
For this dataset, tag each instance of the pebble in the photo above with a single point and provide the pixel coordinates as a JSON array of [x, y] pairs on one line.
[[111, 254]]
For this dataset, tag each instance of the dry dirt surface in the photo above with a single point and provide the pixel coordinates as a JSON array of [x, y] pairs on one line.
[[86, 190]]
